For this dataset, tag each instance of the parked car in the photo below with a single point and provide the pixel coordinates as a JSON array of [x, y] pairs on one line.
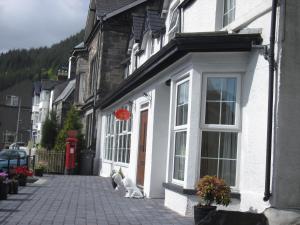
[[12, 155], [19, 145]]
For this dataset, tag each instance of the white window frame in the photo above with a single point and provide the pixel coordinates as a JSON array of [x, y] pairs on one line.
[[232, 10], [180, 128], [115, 135], [236, 128], [224, 127], [12, 100]]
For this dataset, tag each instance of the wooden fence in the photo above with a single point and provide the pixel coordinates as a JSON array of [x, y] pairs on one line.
[[55, 161]]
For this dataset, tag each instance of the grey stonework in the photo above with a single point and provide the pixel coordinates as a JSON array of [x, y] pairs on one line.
[[83, 200], [9, 114]]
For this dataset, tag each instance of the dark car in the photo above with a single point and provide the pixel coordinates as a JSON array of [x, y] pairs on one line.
[[13, 156]]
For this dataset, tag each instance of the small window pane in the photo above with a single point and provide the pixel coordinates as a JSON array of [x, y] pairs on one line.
[[229, 89], [228, 113], [210, 144], [228, 145], [227, 171], [213, 88], [212, 113], [209, 167]]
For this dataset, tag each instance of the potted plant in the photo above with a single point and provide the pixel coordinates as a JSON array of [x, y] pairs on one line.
[[22, 172], [40, 169], [210, 189], [3, 186]]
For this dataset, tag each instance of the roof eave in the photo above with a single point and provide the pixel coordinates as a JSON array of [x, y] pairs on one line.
[[181, 45]]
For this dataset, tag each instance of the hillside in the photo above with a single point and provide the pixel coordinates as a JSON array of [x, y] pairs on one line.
[[36, 63]]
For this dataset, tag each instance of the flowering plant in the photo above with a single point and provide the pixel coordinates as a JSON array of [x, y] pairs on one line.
[[211, 189], [23, 171], [3, 176]]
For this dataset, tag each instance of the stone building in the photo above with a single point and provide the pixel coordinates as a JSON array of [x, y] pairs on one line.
[[15, 101]]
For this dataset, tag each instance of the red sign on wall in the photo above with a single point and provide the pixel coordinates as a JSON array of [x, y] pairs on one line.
[[122, 114]]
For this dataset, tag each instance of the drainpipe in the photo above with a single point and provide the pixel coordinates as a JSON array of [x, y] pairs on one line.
[[267, 193]]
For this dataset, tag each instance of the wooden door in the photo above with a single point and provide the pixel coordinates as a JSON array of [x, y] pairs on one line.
[[142, 148]]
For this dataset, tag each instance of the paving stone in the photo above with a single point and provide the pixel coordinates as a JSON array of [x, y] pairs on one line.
[[83, 200]]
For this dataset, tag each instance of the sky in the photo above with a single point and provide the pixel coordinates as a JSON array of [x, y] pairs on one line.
[[36, 23]]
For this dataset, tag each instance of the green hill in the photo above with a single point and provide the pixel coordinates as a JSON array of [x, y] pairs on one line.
[[36, 63]]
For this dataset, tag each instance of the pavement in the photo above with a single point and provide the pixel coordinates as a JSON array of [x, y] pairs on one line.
[[82, 200]]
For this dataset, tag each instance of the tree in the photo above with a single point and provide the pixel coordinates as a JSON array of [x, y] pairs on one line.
[[49, 131], [72, 122]]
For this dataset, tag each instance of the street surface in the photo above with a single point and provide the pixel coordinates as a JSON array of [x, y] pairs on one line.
[[82, 200]]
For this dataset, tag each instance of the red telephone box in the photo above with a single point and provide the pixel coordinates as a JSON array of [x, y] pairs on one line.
[[71, 143]]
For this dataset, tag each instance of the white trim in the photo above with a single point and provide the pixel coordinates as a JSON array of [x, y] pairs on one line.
[[237, 125], [182, 78], [236, 128]]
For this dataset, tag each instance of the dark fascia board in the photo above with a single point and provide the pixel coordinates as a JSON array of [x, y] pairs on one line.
[[178, 47]]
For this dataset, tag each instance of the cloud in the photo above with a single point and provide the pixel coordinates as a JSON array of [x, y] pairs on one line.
[[35, 23]]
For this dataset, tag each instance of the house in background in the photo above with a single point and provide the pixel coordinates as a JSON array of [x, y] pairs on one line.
[[41, 106], [15, 105], [198, 89], [62, 102], [102, 59]]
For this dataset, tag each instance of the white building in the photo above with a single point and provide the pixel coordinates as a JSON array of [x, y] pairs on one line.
[[199, 104], [41, 106]]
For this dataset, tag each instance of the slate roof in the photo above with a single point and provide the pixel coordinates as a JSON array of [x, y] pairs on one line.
[[37, 87], [104, 7], [155, 23], [66, 92], [48, 84], [59, 89], [138, 27]]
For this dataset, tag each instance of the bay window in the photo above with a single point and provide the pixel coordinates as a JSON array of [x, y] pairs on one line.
[[180, 129], [220, 126]]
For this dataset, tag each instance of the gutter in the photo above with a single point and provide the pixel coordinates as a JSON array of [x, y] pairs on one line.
[[267, 193]]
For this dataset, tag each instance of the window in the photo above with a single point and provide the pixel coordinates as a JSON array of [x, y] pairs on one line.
[[229, 12], [118, 138], [220, 123], [180, 129], [12, 100], [8, 137], [88, 130], [174, 19]]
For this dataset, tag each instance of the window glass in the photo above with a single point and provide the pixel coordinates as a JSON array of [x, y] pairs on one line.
[[229, 12], [179, 157], [219, 155], [118, 138], [174, 20], [182, 103], [220, 101]]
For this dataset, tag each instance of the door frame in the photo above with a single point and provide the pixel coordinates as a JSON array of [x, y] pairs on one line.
[[143, 106]]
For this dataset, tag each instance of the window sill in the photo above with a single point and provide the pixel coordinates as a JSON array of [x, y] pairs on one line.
[[180, 190]]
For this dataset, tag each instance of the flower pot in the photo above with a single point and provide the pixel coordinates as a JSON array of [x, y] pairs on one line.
[[13, 187], [38, 172], [22, 181], [200, 212], [3, 190]]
